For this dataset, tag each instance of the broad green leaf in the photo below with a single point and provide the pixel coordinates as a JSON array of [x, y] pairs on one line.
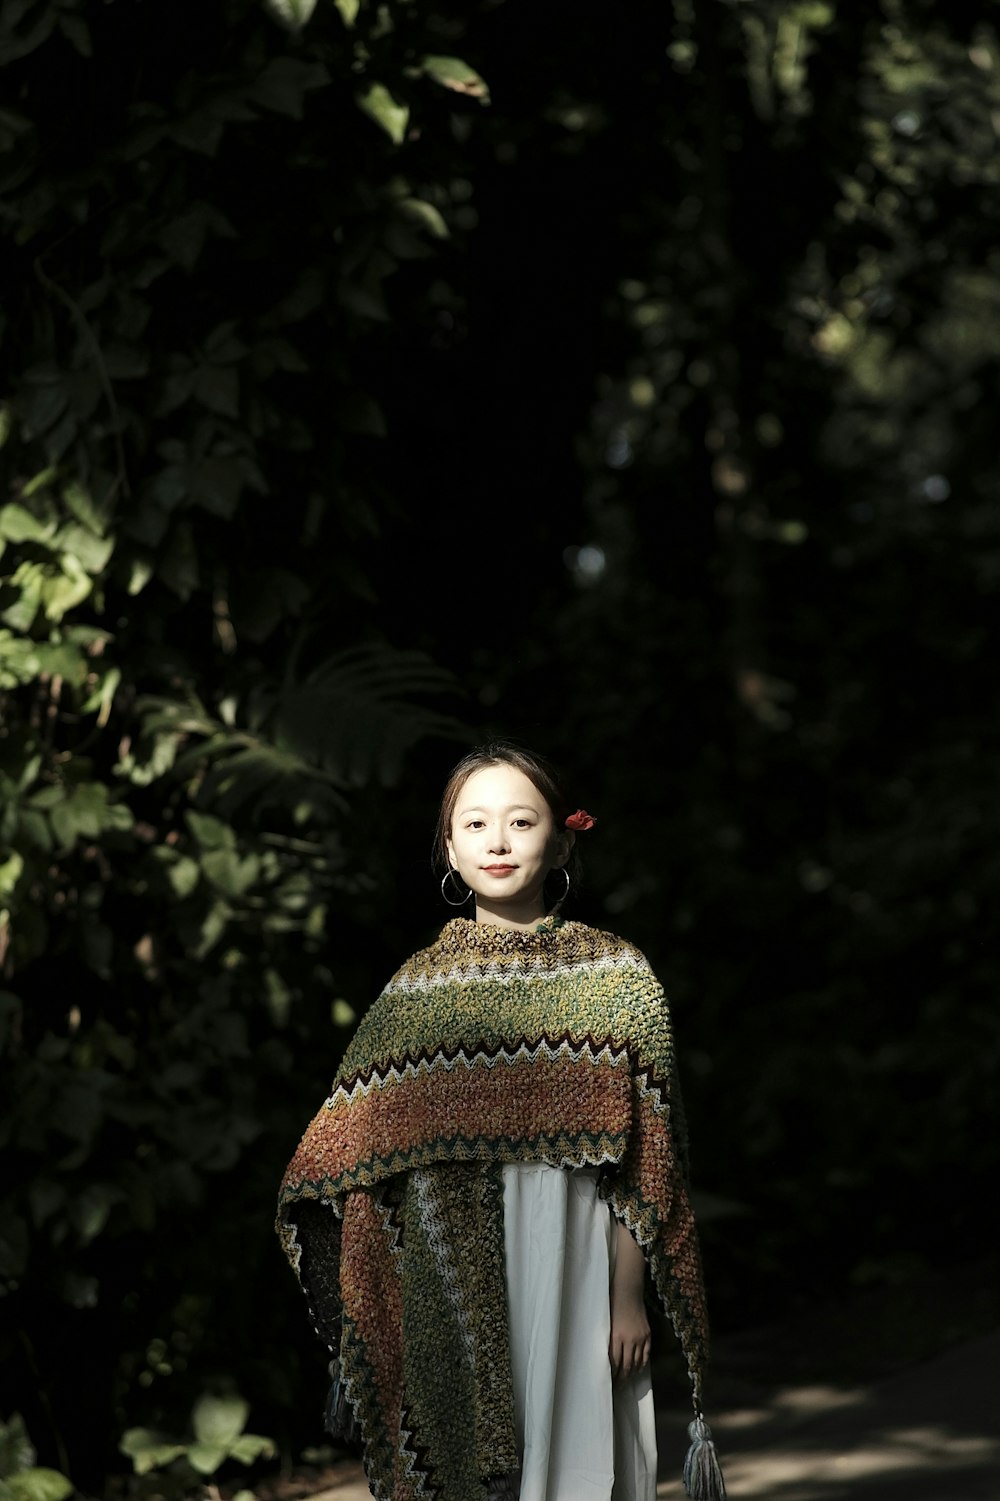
[[22, 612], [62, 659], [212, 929], [19, 525], [19, 661], [279, 997], [64, 825], [206, 1458], [16, 1449], [200, 131], [33, 830], [90, 801], [26, 39], [425, 214], [75, 29], [219, 1420], [228, 872], [85, 814], [63, 591], [29, 772], [43, 405], [92, 553], [291, 13], [217, 387], [453, 73], [149, 1450], [284, 83], [47, 797], [348, 10], [183, 875], [11, 871], [89, 1211], [379, 105], [211, 833], [251, 1446], [39, 1485], [140, 573]]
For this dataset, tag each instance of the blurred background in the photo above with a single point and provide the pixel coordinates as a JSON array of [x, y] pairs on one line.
[[380, 377]]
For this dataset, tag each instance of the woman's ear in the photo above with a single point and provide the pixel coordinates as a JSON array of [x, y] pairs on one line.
[[450, 852], [565, 844]]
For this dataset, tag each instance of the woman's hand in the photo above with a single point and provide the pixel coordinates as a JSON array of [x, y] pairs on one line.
[[630, 1333]]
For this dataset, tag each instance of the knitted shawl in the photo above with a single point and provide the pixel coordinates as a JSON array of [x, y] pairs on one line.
[[494, 1045]]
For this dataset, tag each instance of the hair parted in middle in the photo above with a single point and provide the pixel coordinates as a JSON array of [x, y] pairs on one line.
[[539, 771]]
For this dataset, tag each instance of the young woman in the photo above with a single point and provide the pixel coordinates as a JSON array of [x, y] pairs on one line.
[[499, 1172]]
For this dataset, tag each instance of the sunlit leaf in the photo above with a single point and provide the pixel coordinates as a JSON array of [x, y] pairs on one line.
[[219, 1420], [90, 551], [452, 73], [211, 833], [38, 1485], [19, 525], [250, 1447], [425, 214], [148, 1450], [381, 107], [183, 875], [291, 13]]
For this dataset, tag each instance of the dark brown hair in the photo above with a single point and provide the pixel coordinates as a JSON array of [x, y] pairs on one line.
[[540, 772]]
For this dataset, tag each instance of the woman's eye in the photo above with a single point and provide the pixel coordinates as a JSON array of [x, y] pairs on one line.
[[522, 823]]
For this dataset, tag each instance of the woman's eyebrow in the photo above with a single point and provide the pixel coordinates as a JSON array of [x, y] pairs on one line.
[[514, 808]]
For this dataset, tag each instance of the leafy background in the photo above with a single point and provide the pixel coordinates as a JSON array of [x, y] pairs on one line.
[[380, 377]]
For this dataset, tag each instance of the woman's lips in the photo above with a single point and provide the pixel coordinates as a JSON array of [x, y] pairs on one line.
[[499, 870]]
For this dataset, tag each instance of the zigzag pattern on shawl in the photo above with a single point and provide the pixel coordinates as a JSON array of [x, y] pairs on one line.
[[570, 1151], [513, 969], [520, 1050]]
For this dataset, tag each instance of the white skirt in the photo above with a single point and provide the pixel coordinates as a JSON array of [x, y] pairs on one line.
[[582, 1437]]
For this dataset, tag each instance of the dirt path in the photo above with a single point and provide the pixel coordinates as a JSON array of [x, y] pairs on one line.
[[927, 1433]]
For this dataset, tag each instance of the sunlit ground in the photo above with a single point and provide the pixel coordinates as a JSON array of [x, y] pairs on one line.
[[930, 1433]]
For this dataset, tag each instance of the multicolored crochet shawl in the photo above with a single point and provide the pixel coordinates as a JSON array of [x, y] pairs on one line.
[[493, 1045]]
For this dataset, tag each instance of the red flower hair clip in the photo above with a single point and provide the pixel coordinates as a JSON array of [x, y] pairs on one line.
[[581, 819]]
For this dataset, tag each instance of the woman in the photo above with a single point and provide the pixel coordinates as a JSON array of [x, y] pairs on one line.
[[474, 1211]]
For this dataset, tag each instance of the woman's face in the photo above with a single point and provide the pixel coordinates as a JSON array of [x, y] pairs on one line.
[[504, 843]]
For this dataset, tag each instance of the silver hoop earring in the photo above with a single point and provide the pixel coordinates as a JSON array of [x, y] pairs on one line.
[[565, 874], [452, 875]]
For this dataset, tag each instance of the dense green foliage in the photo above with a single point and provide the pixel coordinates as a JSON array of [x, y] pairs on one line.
[[639, 407]]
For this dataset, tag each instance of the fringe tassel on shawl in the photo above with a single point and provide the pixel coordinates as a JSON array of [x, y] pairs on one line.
[[702, 1473], [339, 1420]]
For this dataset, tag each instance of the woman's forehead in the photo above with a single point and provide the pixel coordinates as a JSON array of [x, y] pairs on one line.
[[499, 786]]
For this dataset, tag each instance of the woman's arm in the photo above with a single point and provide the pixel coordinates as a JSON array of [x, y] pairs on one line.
[[630, 1333]]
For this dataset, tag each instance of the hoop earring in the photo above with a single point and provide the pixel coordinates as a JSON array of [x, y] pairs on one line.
[[565, 874], [452, 875]]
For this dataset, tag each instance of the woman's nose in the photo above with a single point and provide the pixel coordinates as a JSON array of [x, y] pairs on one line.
[[498, 841]]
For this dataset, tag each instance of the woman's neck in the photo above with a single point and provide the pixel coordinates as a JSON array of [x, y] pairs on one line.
[[523, 918]]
